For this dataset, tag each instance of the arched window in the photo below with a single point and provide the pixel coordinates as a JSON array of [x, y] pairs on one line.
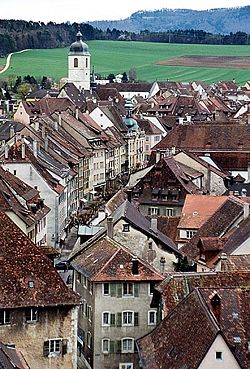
[[86, 62], [75, 62]]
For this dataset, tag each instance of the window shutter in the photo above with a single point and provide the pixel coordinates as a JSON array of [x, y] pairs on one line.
[[136, 289], [112, 320], [113, 290], [46, 348], [118, 347], [64, 346], [135, 347], [119, 290], [136, 319], [112, 347], [119, 320]]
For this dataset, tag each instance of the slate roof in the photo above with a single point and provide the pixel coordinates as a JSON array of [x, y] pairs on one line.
[[22, 262], [128, 212], [74, 95], [238, 237], [11, 358], [105, 260], [5, 129]]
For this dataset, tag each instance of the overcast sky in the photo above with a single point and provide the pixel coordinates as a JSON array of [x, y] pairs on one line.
[[83, 10]]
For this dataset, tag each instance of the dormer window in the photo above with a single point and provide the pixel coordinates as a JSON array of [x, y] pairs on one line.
[[126, 227], [31, 284]]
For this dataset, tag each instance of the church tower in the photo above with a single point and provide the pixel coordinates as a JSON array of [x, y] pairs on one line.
[[79, 64]]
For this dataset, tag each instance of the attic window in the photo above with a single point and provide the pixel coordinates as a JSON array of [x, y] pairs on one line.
[[237, 340], [126, 228], [31, 284], [235, 315], [218, 355]]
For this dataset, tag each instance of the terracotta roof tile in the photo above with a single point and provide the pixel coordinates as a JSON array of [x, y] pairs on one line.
[[27, 276]]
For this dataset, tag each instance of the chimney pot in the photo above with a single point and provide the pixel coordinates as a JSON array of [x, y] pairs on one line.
[[110, 227]]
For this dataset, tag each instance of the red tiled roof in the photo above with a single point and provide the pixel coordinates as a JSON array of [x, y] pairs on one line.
[[22, 262], [106, 260]]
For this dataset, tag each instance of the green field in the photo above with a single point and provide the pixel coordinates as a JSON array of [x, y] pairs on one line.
[[117, 57]]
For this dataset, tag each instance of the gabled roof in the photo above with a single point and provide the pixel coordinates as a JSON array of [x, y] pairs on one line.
[[198, 208], [237, 238], [106, 260], [217, 225], [27, 276], [132, 216], [167, 346], [226, 137], [46, 106], [73, 94]]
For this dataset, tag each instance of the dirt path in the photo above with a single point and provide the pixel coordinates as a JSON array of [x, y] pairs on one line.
[[9, 58]]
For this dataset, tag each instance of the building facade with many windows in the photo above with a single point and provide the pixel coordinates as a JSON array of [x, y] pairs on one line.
[[116, 288]]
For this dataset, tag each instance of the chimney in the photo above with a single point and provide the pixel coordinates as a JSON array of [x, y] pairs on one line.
[[110, 227], [36, 126], [246, 211], [135, 265], [6, 151], [162, 265], [43, 131], [222, 259], [35, 148], [59, 119], [23, 151], [129, 195], [158, 156], [77, 113], [12, 131], [153, 225], [46, 143], [248, 173]]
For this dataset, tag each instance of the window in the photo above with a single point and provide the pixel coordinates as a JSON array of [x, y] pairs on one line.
[[75, 63], [4, 317], [125, 228], [126, 366], [218, 355], [31, 315], [153, 211], [106, 290], [55, 347], [128, 318], [89, 313], [127, 345], [169, 212], [190, 234], [151, 288], [86, 63], [127, 289], [152, 317], [106, 318], [105, 345]]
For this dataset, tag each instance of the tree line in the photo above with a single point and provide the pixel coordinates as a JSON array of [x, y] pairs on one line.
[[17, 35]]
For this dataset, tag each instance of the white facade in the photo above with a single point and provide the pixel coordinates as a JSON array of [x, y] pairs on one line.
[[219, 356], [79, 64]]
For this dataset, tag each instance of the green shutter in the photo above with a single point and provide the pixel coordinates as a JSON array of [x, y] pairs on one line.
[[136, 289], [119, 290], [112, 320], [112, 289], [136, 319], [64, 346], [119, 319], [112, 347], [118, 347]]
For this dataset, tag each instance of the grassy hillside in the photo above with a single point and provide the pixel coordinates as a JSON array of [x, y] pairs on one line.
[[116, 56]]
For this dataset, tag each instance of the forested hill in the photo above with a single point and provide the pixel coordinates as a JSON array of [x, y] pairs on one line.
[[19, 34], [213, 21]]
